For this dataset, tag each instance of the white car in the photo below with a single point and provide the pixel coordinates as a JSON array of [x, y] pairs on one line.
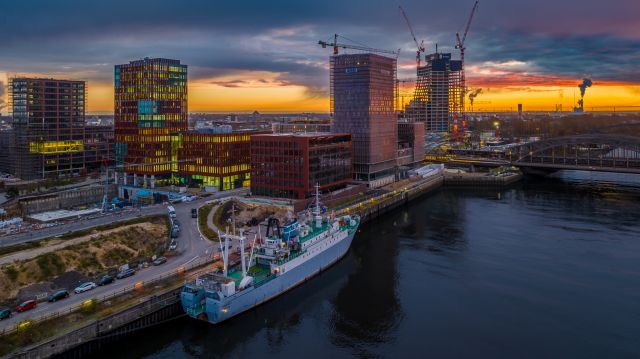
[[85, 287]]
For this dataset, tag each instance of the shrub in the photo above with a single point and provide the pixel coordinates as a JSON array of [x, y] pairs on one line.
[[11, 272], [50, 265]]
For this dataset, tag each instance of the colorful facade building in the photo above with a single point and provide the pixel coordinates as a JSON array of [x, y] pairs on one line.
[[290, 165], [150, 106], [362, 102], [48, 135], [220, 159]]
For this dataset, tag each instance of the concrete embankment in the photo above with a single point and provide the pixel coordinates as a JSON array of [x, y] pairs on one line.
[[376, 206], [83, 342], [480, 179]]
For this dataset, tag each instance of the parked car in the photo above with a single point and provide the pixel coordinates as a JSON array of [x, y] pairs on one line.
[[194, 213], [107, 279], [175, 232], [26, 305], [5, 313], [173, 245], [84, 287], [126, 273], [159, 261], [176, 223], [61, 294]]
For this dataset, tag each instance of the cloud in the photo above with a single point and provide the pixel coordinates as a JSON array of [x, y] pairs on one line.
[[220, 41]]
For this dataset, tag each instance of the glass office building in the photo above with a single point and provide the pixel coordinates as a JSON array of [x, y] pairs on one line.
[[362, 102], [150, 106]]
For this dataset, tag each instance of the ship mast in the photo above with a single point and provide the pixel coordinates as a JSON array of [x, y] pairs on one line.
[[316, 210]]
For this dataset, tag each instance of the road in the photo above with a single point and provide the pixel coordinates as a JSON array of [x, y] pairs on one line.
[[191, 246], [80, 225]]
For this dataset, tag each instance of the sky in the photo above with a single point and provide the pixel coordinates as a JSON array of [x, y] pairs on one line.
[[263, 55]]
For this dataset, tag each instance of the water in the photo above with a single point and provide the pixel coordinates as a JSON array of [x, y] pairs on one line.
[[544, 269]]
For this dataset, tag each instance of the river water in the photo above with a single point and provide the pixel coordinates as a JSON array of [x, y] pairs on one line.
[[547, 268]]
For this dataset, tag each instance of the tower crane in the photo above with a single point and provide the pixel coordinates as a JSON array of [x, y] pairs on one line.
[[460, 46], [460, 42], [336, 45], [419, 46]]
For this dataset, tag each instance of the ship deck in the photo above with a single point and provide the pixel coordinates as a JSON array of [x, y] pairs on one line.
[[258, 272]]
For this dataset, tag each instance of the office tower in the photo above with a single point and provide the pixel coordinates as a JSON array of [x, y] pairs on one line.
[[290, 165], [362, 99], [48, 128], [150, 105]]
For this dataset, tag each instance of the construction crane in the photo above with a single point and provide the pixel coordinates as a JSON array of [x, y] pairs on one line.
[[336, 45], [460, 42], [419, 46], [460, 46]]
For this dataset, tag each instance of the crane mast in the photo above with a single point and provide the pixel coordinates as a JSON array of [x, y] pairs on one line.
[[419, 46], [460, 46]]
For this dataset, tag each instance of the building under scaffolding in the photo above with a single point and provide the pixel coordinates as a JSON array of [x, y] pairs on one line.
[[438, 96]]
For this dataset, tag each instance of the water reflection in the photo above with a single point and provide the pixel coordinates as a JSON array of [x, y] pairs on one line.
[[367, 309], [460, 273]]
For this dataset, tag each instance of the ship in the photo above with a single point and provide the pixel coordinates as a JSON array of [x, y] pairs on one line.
[[269, 265]]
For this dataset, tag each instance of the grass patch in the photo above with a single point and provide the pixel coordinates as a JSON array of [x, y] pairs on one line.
[[11, 272], [203, 213], [50, 265]]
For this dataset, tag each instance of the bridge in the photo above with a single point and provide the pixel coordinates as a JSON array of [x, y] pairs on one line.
[[589, 152]]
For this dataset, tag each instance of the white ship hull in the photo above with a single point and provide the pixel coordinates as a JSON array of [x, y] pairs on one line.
[[317, 257]]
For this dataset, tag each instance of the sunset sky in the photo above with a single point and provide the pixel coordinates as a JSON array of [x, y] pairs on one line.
[[263, 55]]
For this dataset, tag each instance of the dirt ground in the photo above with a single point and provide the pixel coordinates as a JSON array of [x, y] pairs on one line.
[[89, 257]]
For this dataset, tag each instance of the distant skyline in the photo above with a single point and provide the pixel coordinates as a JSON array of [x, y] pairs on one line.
[[264, 56]]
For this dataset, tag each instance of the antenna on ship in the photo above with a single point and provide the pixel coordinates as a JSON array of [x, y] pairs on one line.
[[225, 250], [242, 264], [316, 211], [233, 218]]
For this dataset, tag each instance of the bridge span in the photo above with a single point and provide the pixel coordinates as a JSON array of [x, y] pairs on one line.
[[589, 152]]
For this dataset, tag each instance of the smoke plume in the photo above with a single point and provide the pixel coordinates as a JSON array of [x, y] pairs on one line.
[[473, 95], [583, 86]]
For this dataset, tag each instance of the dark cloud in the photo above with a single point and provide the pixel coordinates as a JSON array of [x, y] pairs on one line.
[[218, 39]]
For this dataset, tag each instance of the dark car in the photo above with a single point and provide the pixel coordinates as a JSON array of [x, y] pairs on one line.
[[159, 261], [126, 273], [61, 294], [176, 223], [107, 279], [5, 313], [194, 213], [26, 305]]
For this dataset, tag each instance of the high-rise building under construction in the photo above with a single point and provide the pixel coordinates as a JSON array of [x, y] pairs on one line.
[[439, 96], [362, 102]]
